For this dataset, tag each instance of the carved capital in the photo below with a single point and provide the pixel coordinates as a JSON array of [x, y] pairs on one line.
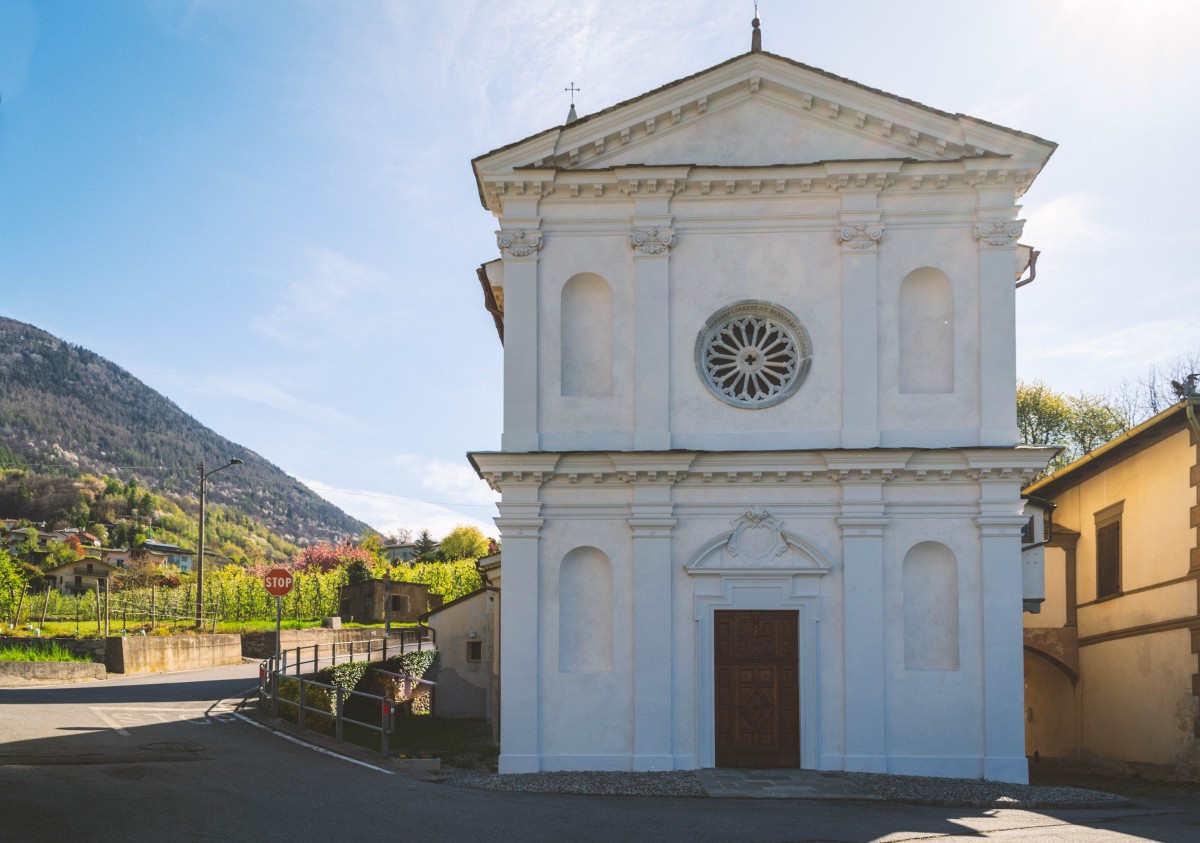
[[652, 241], [518, 244], [999, 232], [860, 235]]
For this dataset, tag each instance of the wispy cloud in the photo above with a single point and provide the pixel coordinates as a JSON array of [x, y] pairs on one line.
[[388, 513], [270, 395], [335, 298], [1067, 224], [1099, 360], [448, 482]]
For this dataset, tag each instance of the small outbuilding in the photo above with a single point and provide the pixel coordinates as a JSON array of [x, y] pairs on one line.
[[380, 601]]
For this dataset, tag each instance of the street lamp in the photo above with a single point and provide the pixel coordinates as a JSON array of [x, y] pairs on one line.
[[204, 475]]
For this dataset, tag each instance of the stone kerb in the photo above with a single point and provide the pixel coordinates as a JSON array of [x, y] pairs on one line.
[[15, 674]]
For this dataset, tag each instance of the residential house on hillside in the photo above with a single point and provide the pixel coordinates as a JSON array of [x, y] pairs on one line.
[[400, 552], [1111, 672], [79, 577], [165, 554]]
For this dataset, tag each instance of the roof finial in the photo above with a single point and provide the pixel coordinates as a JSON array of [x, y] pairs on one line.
[[571, 116], [756, 36]]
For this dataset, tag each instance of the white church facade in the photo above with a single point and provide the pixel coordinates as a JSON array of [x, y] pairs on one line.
[[759, 468]]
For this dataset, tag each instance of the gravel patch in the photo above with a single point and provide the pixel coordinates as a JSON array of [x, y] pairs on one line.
[[976, 793], [913, 790], [680, 783]]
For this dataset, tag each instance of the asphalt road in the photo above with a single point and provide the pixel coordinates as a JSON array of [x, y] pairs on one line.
[[163, 759]]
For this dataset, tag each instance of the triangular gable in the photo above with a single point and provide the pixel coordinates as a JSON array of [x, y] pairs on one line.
[[760, 109]]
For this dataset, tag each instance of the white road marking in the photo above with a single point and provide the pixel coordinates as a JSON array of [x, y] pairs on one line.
[[109, 721], [319, 749], [114, 715]]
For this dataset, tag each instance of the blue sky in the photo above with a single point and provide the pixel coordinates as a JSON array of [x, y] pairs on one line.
[[266, 211]]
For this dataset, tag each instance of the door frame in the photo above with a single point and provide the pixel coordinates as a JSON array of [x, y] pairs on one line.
[[759, 590]]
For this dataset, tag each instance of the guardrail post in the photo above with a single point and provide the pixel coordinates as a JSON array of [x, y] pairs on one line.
[[300, 718], [275, 692], [338, 713], [297, 661], [385, 726]]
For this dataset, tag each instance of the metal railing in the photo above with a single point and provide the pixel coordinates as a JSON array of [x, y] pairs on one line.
[[294, 665]]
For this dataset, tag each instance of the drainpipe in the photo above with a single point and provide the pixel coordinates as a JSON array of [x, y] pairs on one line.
[[1033, 256], [1193, 402]]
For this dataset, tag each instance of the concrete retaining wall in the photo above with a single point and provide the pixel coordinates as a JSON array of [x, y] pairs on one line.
[[154, 654], [261, 645], [37, 673]]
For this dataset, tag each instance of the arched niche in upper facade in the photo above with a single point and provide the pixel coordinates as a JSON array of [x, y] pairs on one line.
[[926, 332], [586, 342], [930, 607], [585, 612]]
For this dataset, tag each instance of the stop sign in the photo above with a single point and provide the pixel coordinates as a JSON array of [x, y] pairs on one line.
[[278, 582]]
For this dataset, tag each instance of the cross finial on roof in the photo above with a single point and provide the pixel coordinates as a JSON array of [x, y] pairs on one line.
[[756, 35], [571, 116]]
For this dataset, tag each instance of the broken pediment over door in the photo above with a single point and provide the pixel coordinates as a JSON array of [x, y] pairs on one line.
[[758, 542]]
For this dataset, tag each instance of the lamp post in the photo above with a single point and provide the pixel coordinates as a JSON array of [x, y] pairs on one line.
[[204, 475]]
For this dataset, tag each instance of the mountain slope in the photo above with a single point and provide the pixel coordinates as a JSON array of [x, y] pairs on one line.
[[64, 409]]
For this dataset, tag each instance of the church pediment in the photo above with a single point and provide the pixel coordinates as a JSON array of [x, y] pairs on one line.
[[759, 110], [758, 543]]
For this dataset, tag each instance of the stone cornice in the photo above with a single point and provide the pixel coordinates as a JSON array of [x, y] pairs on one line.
[[512, 471], [888, 175]]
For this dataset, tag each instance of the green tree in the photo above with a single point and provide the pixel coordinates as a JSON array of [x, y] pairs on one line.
[[12, 577], [1043, 415], [357, 571], [100, 532], [463, 542], [1080, 423], [425, 546]]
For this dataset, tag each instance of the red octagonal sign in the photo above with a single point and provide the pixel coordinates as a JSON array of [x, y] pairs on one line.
[[278, 582]]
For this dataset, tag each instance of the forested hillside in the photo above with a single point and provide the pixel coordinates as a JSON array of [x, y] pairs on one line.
[[66, 411]]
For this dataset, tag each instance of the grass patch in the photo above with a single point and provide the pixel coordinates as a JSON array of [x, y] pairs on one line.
[[463, 743], [50, 652]]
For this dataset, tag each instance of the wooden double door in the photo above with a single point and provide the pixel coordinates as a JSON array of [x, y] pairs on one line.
[[757, 689]]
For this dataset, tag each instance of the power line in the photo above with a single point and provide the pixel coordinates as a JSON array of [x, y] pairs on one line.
[[399, 498]]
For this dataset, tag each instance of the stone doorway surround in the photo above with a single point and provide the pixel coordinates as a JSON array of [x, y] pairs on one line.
[[742, 571]]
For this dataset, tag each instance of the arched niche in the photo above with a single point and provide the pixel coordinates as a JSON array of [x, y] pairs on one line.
[[930, 608], [585, 612], [926, 332], [586, 343]]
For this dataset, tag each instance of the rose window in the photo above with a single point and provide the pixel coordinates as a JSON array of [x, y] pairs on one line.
[[753, 354]]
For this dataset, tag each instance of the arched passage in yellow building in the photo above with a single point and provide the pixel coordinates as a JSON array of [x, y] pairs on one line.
[[1051, 707]]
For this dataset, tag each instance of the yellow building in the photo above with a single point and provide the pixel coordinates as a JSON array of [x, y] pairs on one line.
[[1111, 674]]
